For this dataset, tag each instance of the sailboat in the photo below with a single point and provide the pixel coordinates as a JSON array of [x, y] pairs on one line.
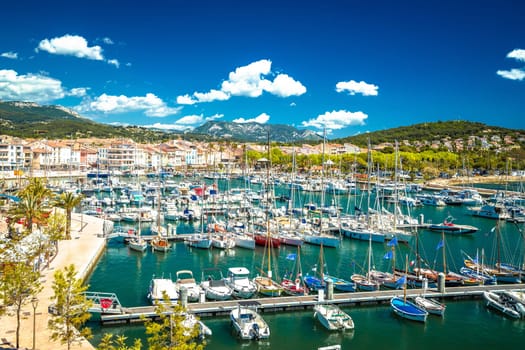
[[388, 279], [290, 285], [160, 243], [404, 307], [265, 284], [200, 240], [501, 274], [320, 278], [366, 283], [451, 279], [315, 281], [320, 237], [138, 243], [417, 279], [477, 272]]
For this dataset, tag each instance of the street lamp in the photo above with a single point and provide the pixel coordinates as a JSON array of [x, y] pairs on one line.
[[34, 303]]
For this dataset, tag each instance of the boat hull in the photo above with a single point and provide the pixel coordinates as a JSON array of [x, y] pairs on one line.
[[408, 310]]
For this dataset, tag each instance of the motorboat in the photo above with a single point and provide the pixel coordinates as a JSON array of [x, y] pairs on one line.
[[186, 281], [160, 286], [501, 304], [238, 280], [333, 318], [247, 322], [214, 286]]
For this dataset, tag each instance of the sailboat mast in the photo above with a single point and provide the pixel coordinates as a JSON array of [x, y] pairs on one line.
[[321, 257], [268, 238], [396, 176], [418, 261], [369, 159], [498, 246], [322, 183], [369, 256], [444, 253], [406, 276]]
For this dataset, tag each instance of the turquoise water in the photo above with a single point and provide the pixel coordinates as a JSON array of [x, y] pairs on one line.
[[467, 324]]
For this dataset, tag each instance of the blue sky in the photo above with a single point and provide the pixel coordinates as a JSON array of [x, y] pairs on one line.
[[350, 66]]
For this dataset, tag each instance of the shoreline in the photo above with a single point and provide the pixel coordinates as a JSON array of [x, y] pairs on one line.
[[83, 250]]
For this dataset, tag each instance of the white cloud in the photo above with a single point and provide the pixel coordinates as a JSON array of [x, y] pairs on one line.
[[513, 74], [284, 86], [190, 120], [518, 54], [78, 92], [107, 41], [212, 95], [214, 117], [114, 62], [336, 120], [71, 45], [186, 100], [29, 87], [261, 119], [152, 105], [169, 127], [353, 87], [10, 54], [293, 104], [248, 81]]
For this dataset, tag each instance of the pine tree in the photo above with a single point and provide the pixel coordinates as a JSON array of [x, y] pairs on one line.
[[71, 307], [108, 343], [169, 331]]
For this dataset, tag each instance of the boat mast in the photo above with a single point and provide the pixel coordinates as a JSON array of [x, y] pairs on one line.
[[444, 253], [396, 177], [369, 159], [369, 256], [498, 243], [322, 184], [321, 261], [268, 238], [405, 283]]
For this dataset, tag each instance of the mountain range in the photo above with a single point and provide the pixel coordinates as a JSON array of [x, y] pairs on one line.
[[28, 119]]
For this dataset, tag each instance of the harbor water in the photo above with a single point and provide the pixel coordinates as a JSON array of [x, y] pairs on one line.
[[467, 324]]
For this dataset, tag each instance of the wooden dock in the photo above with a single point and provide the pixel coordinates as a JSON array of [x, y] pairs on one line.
[[289, 303]]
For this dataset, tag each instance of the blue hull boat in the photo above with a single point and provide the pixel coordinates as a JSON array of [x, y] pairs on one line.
[[408, 310]]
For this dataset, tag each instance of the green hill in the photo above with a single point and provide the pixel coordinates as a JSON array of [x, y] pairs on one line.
[[433, 131], [27, 119]]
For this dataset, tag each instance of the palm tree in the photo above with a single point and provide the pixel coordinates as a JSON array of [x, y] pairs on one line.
[[68, 201], [31, 205]]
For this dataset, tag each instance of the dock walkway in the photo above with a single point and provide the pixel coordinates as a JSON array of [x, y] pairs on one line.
[[82, 251], [290, 303]]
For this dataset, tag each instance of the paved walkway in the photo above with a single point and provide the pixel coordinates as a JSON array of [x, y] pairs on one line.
[[82, 251]]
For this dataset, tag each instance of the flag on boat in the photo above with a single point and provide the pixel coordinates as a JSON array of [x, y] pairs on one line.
[[401, 281], [291, 256], [440, 245], [412, 263], [388, 255], [393, 242]]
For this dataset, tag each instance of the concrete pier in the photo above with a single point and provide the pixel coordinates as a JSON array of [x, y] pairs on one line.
[[82, 251]]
